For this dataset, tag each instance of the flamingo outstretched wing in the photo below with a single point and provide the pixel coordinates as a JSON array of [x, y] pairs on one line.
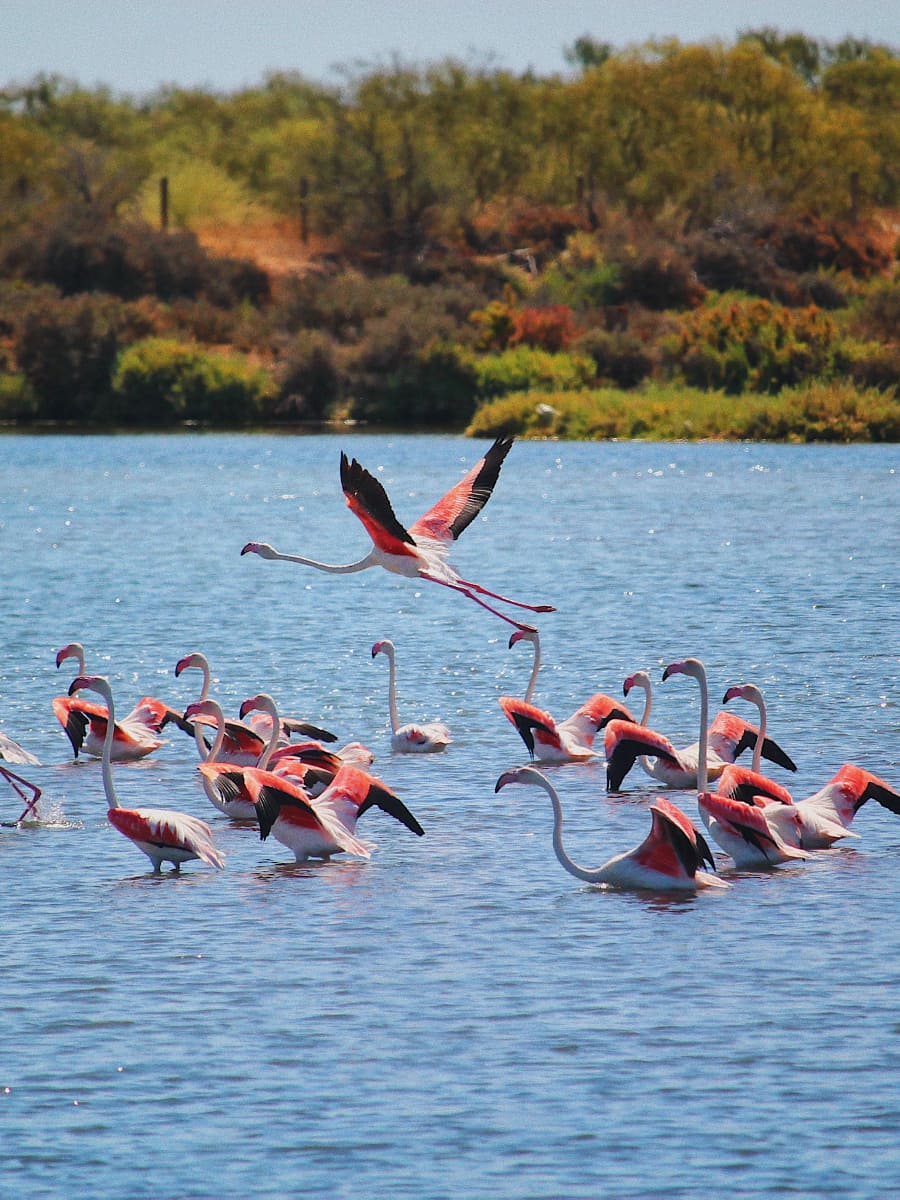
[[368, 500], [455, 511]]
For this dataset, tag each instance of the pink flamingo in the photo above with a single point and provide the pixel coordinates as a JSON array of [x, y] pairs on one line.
[[321, 827], [163, 835], [728, 737], [571, 740], [419, 552], [428, 738], [134, 736], [669, 859]]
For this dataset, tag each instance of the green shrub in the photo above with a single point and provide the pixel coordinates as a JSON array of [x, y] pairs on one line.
[[17, 400], [619, 356], [308, 378], [433, 385], [159, 382], [67, 347], [522, 368]]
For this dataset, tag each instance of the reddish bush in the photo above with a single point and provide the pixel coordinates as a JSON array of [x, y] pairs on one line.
[[551, 327]]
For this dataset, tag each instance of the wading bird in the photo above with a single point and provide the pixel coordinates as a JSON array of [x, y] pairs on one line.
[[409, 739], [727, 738], [571, 740], [321, 827], [422, 550], [135, 735], [162, 834], [669, 858]]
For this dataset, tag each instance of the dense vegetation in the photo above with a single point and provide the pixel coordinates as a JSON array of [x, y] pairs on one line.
[[673, 240]]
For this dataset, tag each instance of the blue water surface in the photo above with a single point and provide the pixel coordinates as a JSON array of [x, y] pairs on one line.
[[456, 1017]]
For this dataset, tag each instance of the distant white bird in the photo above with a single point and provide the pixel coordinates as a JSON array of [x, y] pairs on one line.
[[409, 739]]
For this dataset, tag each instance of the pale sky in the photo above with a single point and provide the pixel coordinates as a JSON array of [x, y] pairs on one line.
[[133, 46]]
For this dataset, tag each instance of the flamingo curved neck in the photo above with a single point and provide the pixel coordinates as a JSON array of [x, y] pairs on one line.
[[761, 736], [274, 735], [331, 568], [535, 668], [584, 873], [702, 771], [392, 688], [112, 800], [212, 754]]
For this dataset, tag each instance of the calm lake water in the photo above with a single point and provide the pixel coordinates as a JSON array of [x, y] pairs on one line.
[[456, 1017]]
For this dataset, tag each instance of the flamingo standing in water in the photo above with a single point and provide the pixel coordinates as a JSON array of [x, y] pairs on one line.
[[162, 834], [551, 741], [750, 843], [409, 739], [321, 827], [242, 743], [135, 735], [669, 859], [727, 738], [12, 752], [420, 551]]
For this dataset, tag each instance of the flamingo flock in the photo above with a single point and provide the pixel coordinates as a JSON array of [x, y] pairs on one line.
[[310, 797]]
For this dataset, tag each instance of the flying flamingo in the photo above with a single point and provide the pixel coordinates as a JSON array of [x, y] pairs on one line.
[[570, 740], [420, 551], [728, 737], [135, 735], [319, 828], [163, 835], [12, 752], [669, 858], [750, 843], [409, 739]]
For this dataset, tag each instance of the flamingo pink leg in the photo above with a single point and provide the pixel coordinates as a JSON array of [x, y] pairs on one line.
[[14, 781], [476, 587], [458, 587]]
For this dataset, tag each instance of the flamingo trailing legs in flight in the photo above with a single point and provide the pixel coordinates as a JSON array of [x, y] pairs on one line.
[[162, 834], [420, 551], [571, 740], [409, 739], [669, 858]]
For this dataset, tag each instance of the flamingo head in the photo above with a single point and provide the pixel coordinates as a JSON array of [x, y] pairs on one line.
[[202, 708], [688, 666], [93, 683], [638, 679], [520, 775], [743, 691], [525, 633], [190, 660], [260, 701], [263, 549], [385, 646], [72, 650]]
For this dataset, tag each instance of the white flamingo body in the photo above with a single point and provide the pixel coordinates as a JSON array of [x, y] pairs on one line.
[[546, 739], [422, 550], [163, 835], [669, 859], [429, 738]]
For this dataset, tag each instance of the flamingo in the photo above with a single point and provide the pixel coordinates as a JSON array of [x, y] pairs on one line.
[[162, 834], [325, 826], [725, 740], [11, 751], [135, 736], [422, 550], [750, 841], [746, 783], [570, 740], [409, 739], [243, 743], [669, 858]]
